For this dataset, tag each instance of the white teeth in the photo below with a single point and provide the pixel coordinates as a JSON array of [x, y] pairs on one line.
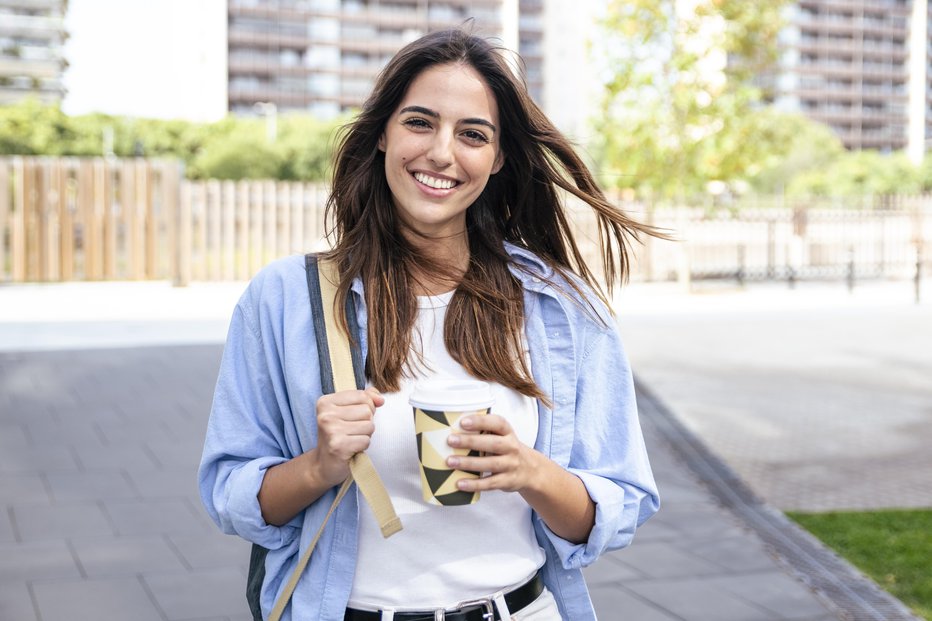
[[433, 182]]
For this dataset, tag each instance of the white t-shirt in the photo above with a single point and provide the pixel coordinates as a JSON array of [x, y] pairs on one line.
[[443, 554]]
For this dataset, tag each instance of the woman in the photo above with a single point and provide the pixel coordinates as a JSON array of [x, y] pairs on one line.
[[451, 237]]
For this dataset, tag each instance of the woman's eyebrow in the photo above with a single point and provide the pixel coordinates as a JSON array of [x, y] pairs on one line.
[[436, 115]]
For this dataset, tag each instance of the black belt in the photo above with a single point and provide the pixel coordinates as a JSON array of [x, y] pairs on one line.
[[473, 611]]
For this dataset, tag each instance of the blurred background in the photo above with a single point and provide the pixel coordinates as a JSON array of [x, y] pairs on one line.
[[153, 156]]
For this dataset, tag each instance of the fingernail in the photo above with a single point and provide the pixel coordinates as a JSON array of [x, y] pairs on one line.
[[466, 423], [453, 440], [463, 484], [453, 462]]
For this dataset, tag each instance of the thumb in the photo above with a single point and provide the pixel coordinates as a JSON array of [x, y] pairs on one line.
[[377, 397]]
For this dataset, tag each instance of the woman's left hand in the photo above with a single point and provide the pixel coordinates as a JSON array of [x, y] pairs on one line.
[[558, 496], [512, 465]]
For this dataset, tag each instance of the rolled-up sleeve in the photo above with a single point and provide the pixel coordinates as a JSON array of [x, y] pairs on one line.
[[245, 434], [608, 453]]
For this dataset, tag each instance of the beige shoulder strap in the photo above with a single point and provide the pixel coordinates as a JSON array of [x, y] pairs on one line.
[[361, 469]]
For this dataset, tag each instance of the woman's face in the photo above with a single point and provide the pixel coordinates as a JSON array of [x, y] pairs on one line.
[[441, 145]]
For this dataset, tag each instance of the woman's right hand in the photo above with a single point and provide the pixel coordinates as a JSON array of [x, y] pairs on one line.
[[344, 428]]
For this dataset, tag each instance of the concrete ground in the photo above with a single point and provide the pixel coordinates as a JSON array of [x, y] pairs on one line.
[[104, 393], [819, 398]]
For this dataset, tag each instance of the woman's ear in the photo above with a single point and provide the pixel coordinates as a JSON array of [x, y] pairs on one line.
[[499, 162], [382, 142]]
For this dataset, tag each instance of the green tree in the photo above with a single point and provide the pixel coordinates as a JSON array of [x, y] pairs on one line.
[[793, 146], [679, 103], [236, 150], [860, 173], [232, 148]]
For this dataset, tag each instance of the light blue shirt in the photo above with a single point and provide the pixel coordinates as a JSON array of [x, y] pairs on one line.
[[264, 414]]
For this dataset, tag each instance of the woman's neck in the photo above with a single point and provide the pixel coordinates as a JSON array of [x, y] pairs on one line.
[[452, 254]]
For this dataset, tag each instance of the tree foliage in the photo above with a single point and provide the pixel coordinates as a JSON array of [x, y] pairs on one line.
[[232, 148], [679, 105]]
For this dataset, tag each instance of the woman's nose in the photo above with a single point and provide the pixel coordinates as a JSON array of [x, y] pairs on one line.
[[440, 153]]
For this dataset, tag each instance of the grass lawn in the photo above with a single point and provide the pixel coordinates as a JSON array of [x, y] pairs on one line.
[[893, 547]]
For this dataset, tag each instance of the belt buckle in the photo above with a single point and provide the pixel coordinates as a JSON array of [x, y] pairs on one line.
[[485, 602]]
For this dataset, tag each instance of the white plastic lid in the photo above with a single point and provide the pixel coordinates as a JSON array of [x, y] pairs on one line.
[[451, 395]]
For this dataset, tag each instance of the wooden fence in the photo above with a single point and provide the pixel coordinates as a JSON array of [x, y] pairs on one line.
[[105, 219], [67, 219]]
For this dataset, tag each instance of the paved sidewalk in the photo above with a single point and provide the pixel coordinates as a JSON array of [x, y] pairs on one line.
[[818, 398], [101, 519]]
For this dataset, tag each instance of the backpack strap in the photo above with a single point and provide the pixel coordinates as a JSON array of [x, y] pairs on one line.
[[340, 369]]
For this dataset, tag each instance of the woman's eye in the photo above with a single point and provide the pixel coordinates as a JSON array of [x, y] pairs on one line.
[[475, 136], [417, 123]]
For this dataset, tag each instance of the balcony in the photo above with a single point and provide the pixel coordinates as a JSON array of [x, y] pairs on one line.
[[271, 40], [880, 7], [29, 67], [269, 67], [282, 98], [52, 5]]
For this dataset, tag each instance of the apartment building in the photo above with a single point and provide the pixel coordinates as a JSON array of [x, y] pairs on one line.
[[31, 62], [322, 56], [861, 67]]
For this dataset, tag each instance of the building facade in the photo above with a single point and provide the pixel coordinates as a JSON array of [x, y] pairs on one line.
[[862, 68], [32, 34], [322, 56]]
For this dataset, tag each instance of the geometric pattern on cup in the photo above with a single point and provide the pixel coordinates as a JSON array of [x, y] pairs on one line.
[[438, 482]]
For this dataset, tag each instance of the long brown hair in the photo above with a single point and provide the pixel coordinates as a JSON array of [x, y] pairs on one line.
[[520, 204]]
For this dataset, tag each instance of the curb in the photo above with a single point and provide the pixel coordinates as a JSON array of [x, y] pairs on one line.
[[852, 595]]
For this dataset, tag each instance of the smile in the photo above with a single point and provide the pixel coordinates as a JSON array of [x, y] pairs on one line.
[[434, 182]]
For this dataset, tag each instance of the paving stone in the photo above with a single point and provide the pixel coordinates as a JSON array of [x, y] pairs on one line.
[[132, 430], [676, 492], [110, 599], [199, 593], [101, 457], [104, 409], [48, 432], [777, 592], [7, 533], [26, 459], [693, 599], [607, 571], [15, 603], [211, 550], [735, 554], [89, 486], [154, 483], [700, 522], [12, 434], [36, 559], [25, 488], [178, 454], [141, 517], [656, 531], [613, 603], [664, 560], [61, 520], [126, 556]]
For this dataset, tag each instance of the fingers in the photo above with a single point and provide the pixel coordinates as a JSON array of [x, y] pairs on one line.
[[502, 455], [488, 423]]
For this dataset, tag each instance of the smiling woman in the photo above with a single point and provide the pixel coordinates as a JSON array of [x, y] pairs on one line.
[[452, 244], [440, 149]]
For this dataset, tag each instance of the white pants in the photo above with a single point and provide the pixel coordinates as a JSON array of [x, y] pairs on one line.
[[544, 608]]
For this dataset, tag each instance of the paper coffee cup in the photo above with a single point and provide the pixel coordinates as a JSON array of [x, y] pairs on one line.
[[438, 407]]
